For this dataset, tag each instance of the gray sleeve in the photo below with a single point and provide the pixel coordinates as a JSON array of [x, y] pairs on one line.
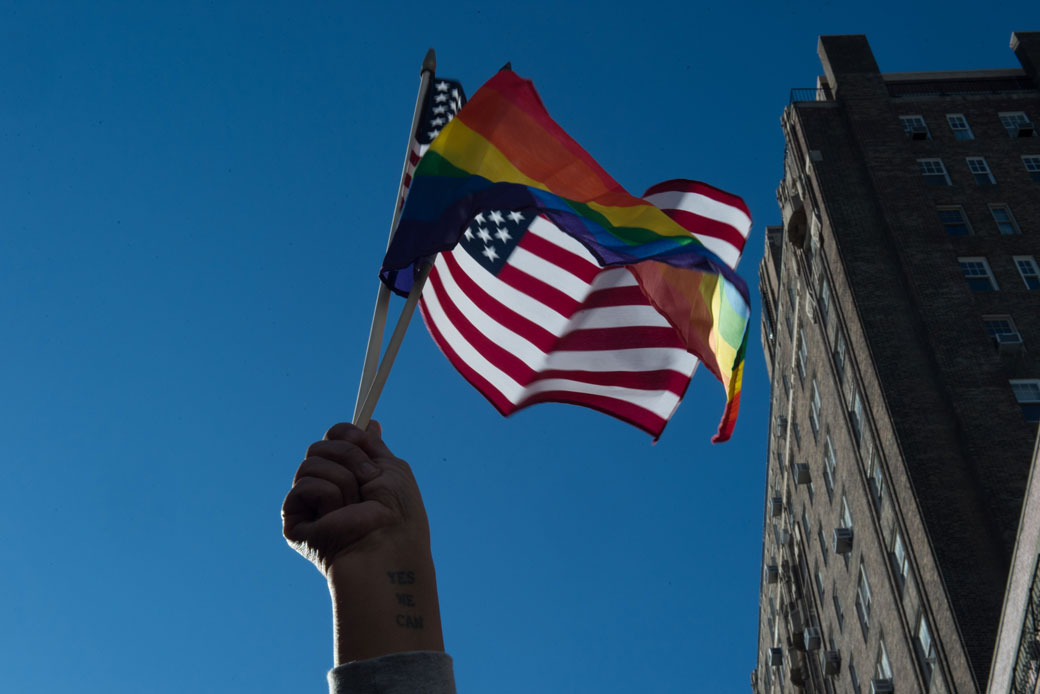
[[415, 672]]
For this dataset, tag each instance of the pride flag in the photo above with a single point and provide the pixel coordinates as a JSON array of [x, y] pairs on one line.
[[503, 153]]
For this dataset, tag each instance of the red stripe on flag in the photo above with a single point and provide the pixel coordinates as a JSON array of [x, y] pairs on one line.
[[561, 257], [661, 379], [494, 396], [538, 290], [708, 227], [626, 411], [621, 337], [616, 296], [704, 189], [504, 316], [505, 361]]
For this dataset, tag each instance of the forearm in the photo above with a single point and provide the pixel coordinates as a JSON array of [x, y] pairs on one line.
[[384, 604]]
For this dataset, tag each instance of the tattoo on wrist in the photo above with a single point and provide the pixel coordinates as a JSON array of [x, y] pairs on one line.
[[404, 578]]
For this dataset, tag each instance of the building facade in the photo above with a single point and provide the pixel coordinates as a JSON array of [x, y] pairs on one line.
[[901, 326]]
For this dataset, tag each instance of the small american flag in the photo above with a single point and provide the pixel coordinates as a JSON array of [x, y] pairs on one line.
[[444, 98], [527, 314]]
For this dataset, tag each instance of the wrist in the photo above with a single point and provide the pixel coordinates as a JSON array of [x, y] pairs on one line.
[[384, 603]]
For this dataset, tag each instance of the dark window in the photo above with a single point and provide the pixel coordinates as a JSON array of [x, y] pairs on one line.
[[954, 221]]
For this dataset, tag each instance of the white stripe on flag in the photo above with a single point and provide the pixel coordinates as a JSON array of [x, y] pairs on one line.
[[704, 206]]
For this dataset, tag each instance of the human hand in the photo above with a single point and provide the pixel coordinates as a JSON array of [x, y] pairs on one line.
[[352, 495], [356, 513]]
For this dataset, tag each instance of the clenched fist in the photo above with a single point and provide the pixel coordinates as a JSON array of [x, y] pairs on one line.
[[356, 513]]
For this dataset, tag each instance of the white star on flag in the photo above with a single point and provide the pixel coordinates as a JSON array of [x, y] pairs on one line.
[[496, 216], [516, 216], [490, 252], [502, 234]]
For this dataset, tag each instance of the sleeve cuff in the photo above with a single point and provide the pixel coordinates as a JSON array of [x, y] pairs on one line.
[[414, 672]]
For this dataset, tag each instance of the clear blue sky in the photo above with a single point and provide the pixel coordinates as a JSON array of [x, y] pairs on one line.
[[194, 199]]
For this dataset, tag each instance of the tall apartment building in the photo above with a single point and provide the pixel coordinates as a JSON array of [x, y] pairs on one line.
[[901, 326]]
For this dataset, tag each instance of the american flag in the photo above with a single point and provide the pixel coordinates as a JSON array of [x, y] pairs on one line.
[[444, 98], [721, 221], [527, 314]]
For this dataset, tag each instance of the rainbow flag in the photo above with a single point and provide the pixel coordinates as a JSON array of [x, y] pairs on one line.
[[504, 152]]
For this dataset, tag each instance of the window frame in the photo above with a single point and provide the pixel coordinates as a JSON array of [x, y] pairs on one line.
[[957, 131], [1030, 278], [883, 667], [1031, 162], [927, 654], [979, 168], [910, 122], [1031, 404], [900, 560], [830, 465], [931, 177], [1011, 120], [1008, 227], [814, 408], [975, 279], [989, 322], [947, 224], [864, 600], [875, 476], [803, 354]]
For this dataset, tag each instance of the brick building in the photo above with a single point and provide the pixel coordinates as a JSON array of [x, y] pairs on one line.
[[901, 327]]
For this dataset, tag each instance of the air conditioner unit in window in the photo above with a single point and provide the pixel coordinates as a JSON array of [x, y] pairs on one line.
[[842, 540], [812, 638], [918, 132], [831, 662], [776, 507], [785, 538], [881, 687], [1008, 342], [772, 573], [776, 657], [797, 618], [801, 473], [1026, 129], [781, 425]]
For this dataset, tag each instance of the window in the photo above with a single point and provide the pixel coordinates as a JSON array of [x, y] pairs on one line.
[[839, 353], [854, 677], [863, 601], [925, 647], [959, 126], [814, 409], [915, 127], [819, 583], [803, 353], [838, 612], [846, 515], [1001, 329], [934, 172], [1032, 164], [1017, 124], [954, 221], [787, 384], [805, 521], [883, 669], [1026, 265], [857, 414], [1005, 222], [876, 476], [980, 170], [797, 432], [829, 465], [823, 542], [976, 271], [825, 298], [1027, 392], [900, 562]]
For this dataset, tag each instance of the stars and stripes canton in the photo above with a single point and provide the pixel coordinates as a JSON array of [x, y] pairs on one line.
[[527, 314], [443, 100]]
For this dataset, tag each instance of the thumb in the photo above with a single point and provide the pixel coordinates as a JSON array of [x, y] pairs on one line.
[[373, 443]]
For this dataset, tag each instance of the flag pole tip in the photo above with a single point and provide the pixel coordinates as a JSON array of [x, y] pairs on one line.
[[507, 66], [429, 63]]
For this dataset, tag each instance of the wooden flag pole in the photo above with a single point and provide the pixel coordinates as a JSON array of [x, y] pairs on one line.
[[375, 331], [372, 396]]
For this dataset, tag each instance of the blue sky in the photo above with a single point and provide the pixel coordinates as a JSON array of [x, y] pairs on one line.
[[194, 199]]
